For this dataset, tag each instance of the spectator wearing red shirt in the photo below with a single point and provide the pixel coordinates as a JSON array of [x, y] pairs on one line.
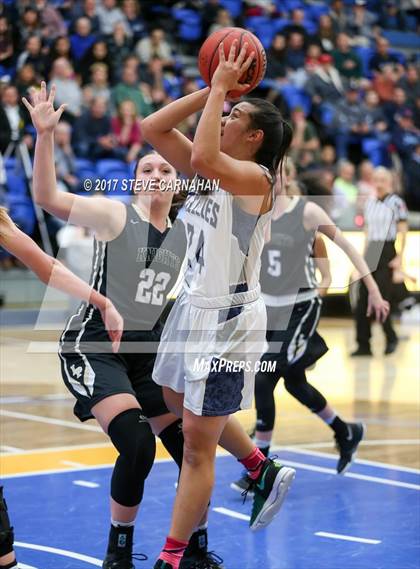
[[126, 128]]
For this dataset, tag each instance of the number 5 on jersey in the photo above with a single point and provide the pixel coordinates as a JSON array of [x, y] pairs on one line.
[[274, 262]]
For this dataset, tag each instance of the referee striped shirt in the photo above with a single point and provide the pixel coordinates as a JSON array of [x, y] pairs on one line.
[[382, 216]]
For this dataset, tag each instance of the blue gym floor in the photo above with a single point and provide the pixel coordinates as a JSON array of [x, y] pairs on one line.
[[63, 525]]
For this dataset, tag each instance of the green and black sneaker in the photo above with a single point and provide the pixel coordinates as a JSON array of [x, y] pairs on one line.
[[270, 490]]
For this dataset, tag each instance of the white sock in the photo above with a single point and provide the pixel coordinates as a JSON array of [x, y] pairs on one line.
[[117, 524], [261, 444]]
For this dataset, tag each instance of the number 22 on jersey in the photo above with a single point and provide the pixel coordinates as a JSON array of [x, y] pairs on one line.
[[151, 288]]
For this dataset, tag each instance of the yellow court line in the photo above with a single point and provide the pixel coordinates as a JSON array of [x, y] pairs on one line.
[[40, 461]]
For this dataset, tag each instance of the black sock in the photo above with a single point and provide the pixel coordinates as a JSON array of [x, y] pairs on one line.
[[265, 450], [120, 539], [173, 440], [198, 543], [339, 427]]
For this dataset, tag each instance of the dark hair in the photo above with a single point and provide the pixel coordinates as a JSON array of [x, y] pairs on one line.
[[278, 134]]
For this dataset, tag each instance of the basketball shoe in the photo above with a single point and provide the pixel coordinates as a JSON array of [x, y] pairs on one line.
[[347, 445]]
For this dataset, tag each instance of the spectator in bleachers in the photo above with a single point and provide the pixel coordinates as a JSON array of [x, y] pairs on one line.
[[67, 89], [189, 125], [296, 26], [29, 25], [98, 86], [155, 46], [65, 160], [109, 14], [7, 49], [295, 53], [130, 89], [396, 106], [326, 35], [328, 158], [119, 46], [349, 123], [276, 58], [365, 185], [5, 132], [52, 21], [338, 15], [382, 56], [360, 23], [209, 14], [347, 62], [405, 136], [223, 20], [26, 78], [132, 13], [385, 81], [392, 17], [126, 129], [17, 116], [60, 48], [33, 56], [305, 141], [345, 192], [375, 116], [92, 134], [87, 9], [325, 85], [410, 83], [97, 53], [82, 39], [260, 8]]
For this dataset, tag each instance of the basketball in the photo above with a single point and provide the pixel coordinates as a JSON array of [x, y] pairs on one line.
[[208, 57]]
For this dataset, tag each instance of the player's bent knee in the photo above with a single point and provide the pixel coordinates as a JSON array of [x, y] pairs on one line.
[[132, 436]]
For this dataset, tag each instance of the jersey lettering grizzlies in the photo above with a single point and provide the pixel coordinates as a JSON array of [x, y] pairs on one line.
[[224, 244]]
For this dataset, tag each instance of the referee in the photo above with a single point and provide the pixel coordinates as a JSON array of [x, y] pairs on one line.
[[385, 218]]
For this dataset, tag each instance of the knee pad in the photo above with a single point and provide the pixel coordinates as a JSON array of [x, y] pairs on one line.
[[132, 436], [6, 531]]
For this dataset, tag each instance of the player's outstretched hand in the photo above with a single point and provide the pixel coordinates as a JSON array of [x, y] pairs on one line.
[[377, 306], [230, 70], [114, 323], [42, 112]]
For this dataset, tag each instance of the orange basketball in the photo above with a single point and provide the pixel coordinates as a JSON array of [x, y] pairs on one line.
[[208, 57]]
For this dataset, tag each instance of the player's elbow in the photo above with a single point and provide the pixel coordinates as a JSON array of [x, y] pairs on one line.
[[200, 163]]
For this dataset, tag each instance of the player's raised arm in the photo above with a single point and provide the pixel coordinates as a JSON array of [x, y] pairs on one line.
[[159, 129], [316, 218], [55, 274], [98, 214]]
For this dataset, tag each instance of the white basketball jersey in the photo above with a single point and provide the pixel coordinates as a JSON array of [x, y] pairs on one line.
[[224, 244]]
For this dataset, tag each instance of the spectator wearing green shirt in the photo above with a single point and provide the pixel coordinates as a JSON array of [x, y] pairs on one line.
[[131, 89], [346, 60]]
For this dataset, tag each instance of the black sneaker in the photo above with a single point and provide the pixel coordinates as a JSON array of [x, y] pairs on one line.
[[197, 556], [347, 446], [361, 352], [120, 549], [270, 490], [391, 347], [243, 484], [205, 560]]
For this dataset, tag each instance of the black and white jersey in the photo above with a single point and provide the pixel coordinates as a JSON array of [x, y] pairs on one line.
[[288, 269], [382, 217], [137, 270]]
